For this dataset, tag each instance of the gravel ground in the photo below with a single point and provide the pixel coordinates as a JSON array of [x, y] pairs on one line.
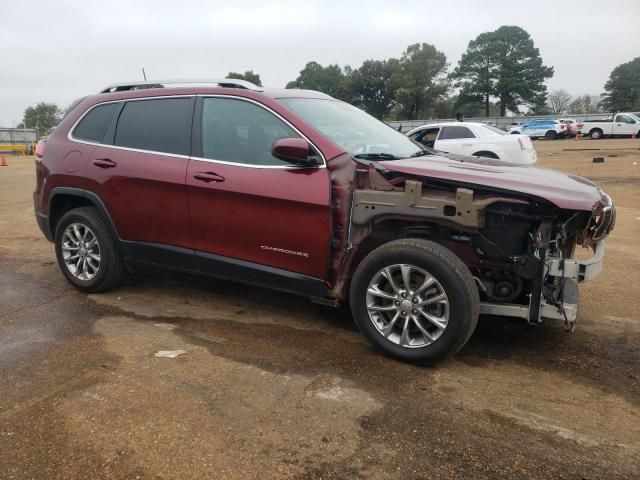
[[273, 386]]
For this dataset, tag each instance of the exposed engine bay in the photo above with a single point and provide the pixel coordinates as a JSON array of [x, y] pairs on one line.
[[519, 248]]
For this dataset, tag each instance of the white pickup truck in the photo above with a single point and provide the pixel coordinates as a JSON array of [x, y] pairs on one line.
[[621, 124]]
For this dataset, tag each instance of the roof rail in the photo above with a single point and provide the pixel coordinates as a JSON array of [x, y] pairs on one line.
[[223, 82]]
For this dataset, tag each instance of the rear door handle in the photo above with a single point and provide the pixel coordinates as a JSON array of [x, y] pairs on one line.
[[104, 163], [208, 177]]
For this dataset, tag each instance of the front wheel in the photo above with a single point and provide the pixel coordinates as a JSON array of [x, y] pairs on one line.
[[550, 135], [415, 300]]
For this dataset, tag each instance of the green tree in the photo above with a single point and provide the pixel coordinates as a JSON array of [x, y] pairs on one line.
[[372, 88], [42, 116], [504, 64], [419, 82], [622, 91], [331, 80], [249, 76]]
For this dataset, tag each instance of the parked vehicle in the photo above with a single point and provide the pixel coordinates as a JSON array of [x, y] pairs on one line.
[[476, 139], [296, 191], [549, 129], [573, 126], [622, 124]]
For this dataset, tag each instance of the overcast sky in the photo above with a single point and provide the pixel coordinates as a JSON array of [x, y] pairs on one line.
[[56, 51]]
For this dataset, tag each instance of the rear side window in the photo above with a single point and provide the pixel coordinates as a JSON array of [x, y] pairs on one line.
[[94, 124], [450, 133], [159, 125]]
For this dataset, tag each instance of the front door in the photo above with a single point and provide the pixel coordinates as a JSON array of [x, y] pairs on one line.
[[624, 125], [246, 204]]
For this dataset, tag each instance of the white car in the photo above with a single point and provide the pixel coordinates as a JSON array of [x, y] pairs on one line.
[[477, 139], [573, 126]]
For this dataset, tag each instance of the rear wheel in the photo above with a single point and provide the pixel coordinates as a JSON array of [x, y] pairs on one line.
[[550, 135], [86, 251], [595, 134], [415, 300]]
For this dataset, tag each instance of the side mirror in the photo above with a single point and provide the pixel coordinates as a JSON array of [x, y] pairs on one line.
[[295, 151]]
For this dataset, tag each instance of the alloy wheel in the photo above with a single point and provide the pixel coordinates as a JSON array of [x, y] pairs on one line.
[[407, 305], [81, 251]]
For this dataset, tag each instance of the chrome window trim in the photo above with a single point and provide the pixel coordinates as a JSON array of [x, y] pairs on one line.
[[116, 147], [165, 154], [276, 114]]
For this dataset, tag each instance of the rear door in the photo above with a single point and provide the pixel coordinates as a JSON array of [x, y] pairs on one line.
[[246, 204], [139, 171], [457, 139]]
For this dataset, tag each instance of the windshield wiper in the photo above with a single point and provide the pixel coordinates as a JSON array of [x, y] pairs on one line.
[[375, 156]]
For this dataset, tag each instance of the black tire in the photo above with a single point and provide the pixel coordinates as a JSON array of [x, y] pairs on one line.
[[486, 155], [550, 135], [454, 278], [595, 134], [515, 133], [111, 270]]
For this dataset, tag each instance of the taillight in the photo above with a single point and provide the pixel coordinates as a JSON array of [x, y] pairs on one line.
[[40, 148]]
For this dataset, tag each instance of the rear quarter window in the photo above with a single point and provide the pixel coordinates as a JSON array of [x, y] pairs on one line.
[[93, 125]]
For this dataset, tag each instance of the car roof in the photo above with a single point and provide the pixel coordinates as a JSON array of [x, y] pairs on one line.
[[448, 124], [138, 89]]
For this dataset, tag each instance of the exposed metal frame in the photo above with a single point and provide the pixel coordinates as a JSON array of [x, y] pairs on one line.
[[221, 82]]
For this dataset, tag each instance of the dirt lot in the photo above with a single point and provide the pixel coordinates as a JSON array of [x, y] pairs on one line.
[[273, 386]]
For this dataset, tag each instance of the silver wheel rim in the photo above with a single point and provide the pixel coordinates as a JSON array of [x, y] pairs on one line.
[[407, 305], [81, 251]]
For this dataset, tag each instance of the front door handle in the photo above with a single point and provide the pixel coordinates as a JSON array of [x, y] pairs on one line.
[[104, 163], [208, 177]]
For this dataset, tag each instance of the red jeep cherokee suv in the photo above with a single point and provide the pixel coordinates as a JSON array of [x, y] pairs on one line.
[[297, 191]]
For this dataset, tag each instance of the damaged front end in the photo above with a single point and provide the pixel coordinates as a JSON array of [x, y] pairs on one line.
[[519, 247]]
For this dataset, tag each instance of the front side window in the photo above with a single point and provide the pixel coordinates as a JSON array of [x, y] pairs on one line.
[[94, 124], [624, 119], [238, 131], [158, 125], [453, 133]]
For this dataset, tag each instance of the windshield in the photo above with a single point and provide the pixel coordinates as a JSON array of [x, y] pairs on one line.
[[357, 132], [493, 130]]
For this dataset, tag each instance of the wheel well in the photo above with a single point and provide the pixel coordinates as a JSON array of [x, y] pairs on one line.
[[387, 231], [594, 129], [486, 154], [61, 204]]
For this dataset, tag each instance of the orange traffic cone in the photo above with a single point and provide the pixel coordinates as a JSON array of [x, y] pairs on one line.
[[634, 136], [577, 136], [3, 162]]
